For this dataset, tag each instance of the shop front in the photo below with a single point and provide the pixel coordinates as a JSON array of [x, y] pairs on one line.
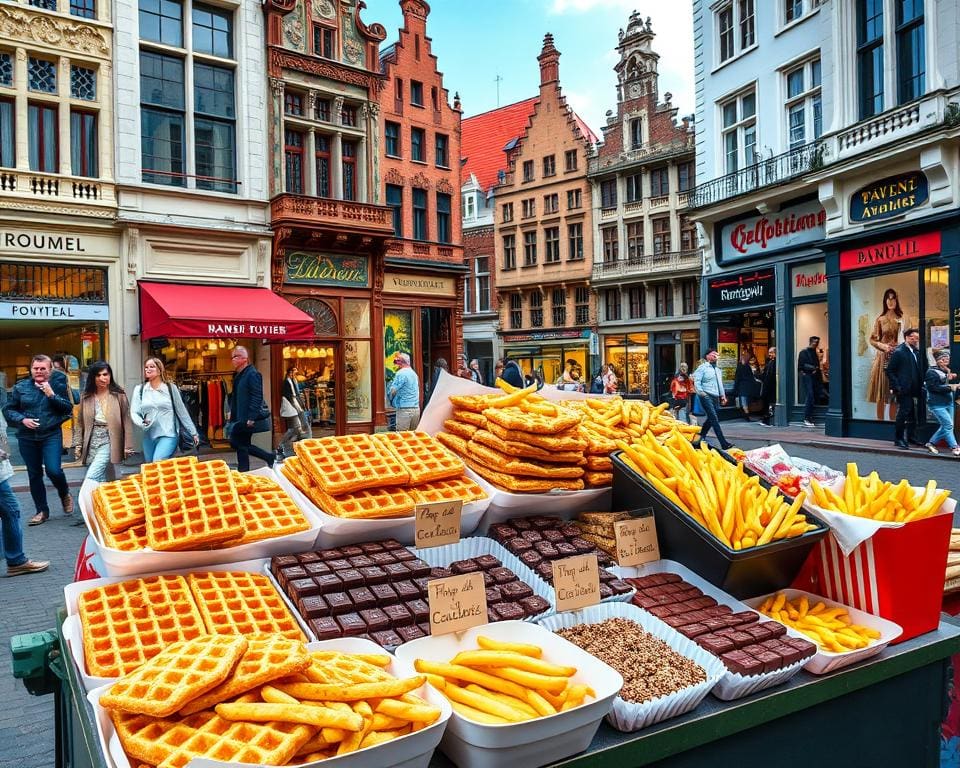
[[808, 316], [549, 353]]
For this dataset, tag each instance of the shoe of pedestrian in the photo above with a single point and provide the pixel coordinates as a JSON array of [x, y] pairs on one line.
[[901, 444], [931, 447], [31, 566], [808, 423], [39, 518], [955, 451], [766, 424], [67, 502]]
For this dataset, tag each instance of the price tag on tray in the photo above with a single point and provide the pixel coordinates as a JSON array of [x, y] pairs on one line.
[[576, 581], [457, 603], [437, 523], [637, 539]]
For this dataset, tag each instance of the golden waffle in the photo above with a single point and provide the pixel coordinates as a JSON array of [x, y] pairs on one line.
[[151, 474], [470, 417], [599, 464], [349, 463], [455, 443], [459, 428], [525, 451], [522, 484], [247, 483], [199, 507], [518, 420], [571, 440], [118, 505], [267, 658], [423, 457], [128, 622], [448, 490], [179, 673], [268, 514], [598, 479], [513, 466], [238, 603], [375, 503], [130, 540], [475, 403]]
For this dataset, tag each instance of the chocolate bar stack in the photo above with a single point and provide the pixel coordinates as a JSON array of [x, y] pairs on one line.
[[746, 645], [539, 540]]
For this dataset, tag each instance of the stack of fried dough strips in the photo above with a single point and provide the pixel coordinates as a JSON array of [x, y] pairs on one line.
[[599, 528], [378, 476], [181, 503], [263, 699]]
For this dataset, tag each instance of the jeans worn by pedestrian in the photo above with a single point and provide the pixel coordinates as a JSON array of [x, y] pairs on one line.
[[944, 416], [240, 438], [710, 404], [810, 392], [158, 448], [12, 528], [44, 451], [101, 468]]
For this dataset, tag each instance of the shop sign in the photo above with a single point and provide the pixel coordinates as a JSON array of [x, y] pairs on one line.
[[23, 310], [927, 244], [41, 241], [759, 235], [889, 197], [430, 285], [809, 279], [309, 268], [746, 290], [547, 336]]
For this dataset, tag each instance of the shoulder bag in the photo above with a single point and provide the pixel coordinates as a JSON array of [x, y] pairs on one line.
[[184, 438]]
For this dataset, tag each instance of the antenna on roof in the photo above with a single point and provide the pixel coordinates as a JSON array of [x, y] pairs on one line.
[[498, 80]]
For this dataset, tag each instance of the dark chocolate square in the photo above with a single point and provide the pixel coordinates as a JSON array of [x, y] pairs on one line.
[[494, 596], [774, 628], [605, 576], [469, 565], [565, 549], [362, 598], [291, 573], [300, 588], [534, 605], [521, 523], [548, 550], [715, 644], [518, 545], [692, 630], [410, 632], [486, 562], [317, 568], [383, 558], [743, 664], [313, 607], [384, 593], [369, 547], [554, 536], [375, 618], [531, 558], [515, 590], [488, 580], [351, 550], [351, 577], [339, 602], [373, 575], [532, 535], [418, 569], [338, 564], [328, 582], [396, 571], [360, 561], [771, 661], [620, 587], [421, 584], [279, 562], [391, 544], [502, 575], [351, 624], [325, 628], [420, 609], [330, 554], [398, 615], [386, 638], [570, 531], [403, 555], [406, 590], [508, 611], [605, 591]]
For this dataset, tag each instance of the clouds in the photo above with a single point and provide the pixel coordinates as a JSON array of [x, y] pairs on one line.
[[583, 6]]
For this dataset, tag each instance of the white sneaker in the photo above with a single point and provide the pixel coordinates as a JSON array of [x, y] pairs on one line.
[[808, 423]]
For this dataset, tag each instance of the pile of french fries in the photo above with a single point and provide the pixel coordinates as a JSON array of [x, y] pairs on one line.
[[504, 682], [878, 499], [831, 629], [719, 495]]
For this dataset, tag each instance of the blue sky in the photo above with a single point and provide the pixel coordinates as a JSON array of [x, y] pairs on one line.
[[476, 40]]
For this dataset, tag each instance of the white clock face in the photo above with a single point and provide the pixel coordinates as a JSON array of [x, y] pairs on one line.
[[635, 89]]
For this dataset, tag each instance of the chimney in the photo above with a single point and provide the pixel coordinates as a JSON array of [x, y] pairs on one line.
[[549, 59]]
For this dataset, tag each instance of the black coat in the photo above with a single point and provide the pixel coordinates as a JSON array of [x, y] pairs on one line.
[[906, 371], [808, 362], [246, 400], [744, 382], [512, 374], [768, 380]]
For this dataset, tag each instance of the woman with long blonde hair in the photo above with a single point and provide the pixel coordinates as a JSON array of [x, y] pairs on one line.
[[157, 407]]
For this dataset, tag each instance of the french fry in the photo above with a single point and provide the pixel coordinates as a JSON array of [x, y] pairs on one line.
[[484, 658], [525, 649], [332, 692], [486, 704], [414, 713], [470, 675], [290, 713], [476, 714]]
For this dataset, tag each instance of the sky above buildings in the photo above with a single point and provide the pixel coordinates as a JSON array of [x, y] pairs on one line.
[[477, 41]]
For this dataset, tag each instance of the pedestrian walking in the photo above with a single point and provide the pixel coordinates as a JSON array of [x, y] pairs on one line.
[[104, 433], [746, 382], [463, 370], [475, 372], [292, 410], [158, 409], [682, 391], [248, 412], [906, 373], [38, 407], [11, 535], [708, 384], [941, 396], [768, 387], [404, 393], [512, 374], [810, 375]]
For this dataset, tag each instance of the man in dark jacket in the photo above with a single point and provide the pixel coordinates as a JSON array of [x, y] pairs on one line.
[[905, 372], [512, 373], [768, 386], [808, 368], [37, 407], [246, 409]]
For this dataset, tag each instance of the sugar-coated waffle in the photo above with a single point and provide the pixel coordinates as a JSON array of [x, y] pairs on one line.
[[462, 488], [369, 503], [239, 603], [423, 457], [119, 505], [178, 674], [128, 622], [350, 463]]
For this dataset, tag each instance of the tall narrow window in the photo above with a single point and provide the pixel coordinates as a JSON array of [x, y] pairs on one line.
[[507, 209], [688, 234], [8, 157], [398, 96], [663, 294], [611, 244], [659, 182], [292, 103], [559, 306], [43, 134], [870, 56], [536, 309], [634, 188], [685, 177], [419, 214], [911, 61], [214, 128], [747, 24], [661, 234], [392, 138], [322, 110], [293, 155], [528, 170], [395, 202], [574, 242], [804, 113], [6, 69], [416, 145], [322, 161], [443, 218], [581, 307], [84, 149], [482, 276], [570, 160], [551, 244], [792, 10], [211, 31], [416, 93], [516, 311], [324, 41], [636, 133], [509, 252], [611, 303], [635, 240], [529, 249], [725, 32], [574, 199], [442, 151], [551, 203], [348, 115], [638, 301], [162, 118], [608, 193], [739, 120], [550, 165], [349, 164], [691, 296]]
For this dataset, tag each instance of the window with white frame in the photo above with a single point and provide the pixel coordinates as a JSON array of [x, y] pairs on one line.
[[792, 10], [738, 119], [469, 205], [481, 274], [804, 112], [736, 28]]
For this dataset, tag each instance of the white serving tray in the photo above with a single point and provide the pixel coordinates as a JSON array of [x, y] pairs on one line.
[[470, 744], [630, 716], [119, 563], [732, 685], [829, 661], [411, 751], [336, 531], [73, 630]]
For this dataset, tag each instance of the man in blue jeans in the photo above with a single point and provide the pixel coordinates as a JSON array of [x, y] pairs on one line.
[[38, 407], [708, 381], [18, 563]]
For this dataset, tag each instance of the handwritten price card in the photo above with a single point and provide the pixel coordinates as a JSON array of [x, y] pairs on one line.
[[437, 523], [637, 541], [457, 603], [576, 581]]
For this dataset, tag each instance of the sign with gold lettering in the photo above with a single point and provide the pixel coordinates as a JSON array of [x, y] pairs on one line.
[[431, 285], [637, 540], [457, 603], [311, 268], [437, 523], [576, 581], [889, 197]]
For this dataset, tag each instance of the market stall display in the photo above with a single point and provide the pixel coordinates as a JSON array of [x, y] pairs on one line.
[[789, 473]]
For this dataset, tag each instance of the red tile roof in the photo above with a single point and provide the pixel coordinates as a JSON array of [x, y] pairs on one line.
[[585, 130], [483, 137]]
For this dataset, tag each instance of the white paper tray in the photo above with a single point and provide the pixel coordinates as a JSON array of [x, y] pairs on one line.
[[470, 744], [411, 751], [828, 661], [628, 715], [731, 685], [73, 630], [338, 531], [118, 563]]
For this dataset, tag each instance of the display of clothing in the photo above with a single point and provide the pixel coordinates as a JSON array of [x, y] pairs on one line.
[[887, 330]]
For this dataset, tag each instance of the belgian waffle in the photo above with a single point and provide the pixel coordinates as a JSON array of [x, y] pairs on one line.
[[473, 403], [423, 457], [118, 505], [178, 674], [129, 540], [448, 490], [268, 514], [199, 507], [460, 428], [524, 450], [152, 477], [472, 418], [238, 603], [267, 658], [571, 440], [350, 463], [126, 623], [368, 503]]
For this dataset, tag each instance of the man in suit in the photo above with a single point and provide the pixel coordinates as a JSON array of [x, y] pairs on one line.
[[246, 409], [768, 386], [905, 372], [808, 368]]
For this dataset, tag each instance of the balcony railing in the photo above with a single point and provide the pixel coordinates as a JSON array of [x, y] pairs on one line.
[[765, 173], [661, 263], [54, 188], [304, 210]]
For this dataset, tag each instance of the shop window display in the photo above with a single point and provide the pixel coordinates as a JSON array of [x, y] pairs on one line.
[[316, 368], [811, 320], [631, 360]]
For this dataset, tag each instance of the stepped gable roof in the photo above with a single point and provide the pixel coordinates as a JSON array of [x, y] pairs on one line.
[[484, 137]]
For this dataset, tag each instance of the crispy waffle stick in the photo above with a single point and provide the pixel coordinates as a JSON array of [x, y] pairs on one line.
[[477, 420], [600, 464], [598, 444], [517, 420], [421, 455], [475, 403], [459, 428], [522, 484], [513, 466], [455, 443], [570, 440], [598, 479], [601, 518], [525, 451]]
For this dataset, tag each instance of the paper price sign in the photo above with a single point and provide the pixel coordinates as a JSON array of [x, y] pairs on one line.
[[576, 581], [457, 603], [637, 540], [437, 523]]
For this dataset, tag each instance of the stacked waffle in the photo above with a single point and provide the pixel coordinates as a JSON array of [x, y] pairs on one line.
[[126, 623], [378, 476], [180, 504]]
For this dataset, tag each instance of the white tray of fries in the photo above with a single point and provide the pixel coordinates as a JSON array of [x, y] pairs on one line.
[[631, 716], [412, 750], [119, 563], [731, 685], [472, 744], [829, 661], [73, 629]]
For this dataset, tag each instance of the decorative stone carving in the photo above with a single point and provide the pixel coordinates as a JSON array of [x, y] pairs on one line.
[[323, 9], [420, 180], [16, 24], [445, 187], [374, 109], [353, 51], [323, 68], [133, 242], [293, 29], [276, 85], [393, 176]]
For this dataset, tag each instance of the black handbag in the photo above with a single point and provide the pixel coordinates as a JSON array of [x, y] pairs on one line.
[[184, 438]]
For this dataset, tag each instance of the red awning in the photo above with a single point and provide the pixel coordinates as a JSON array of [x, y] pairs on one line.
[[212, 312]]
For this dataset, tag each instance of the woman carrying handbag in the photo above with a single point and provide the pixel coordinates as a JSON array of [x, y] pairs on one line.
[[103, 436], [159, 410], [291, 410]]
